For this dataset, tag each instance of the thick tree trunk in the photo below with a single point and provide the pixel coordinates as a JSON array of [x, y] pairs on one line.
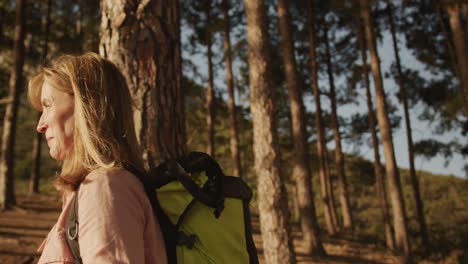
[[339, 158], [414, 179], [393, 176], [321, 148], [209, 91], [301, 170], [234, 140], [144, 41], [36, 152], [7, 187], [272, 197], [458, 36], [378, 170]]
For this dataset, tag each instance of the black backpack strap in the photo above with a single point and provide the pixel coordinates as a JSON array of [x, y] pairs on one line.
[[71, 228], [167, 228]]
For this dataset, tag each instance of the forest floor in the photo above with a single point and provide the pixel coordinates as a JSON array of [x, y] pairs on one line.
[[24, 228]]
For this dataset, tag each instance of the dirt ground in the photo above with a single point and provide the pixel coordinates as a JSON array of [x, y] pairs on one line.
[[24, 228]]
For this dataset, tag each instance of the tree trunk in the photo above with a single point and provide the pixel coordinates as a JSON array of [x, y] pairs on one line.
[[321, 148], [231, 100], [378, 170], [393, 176], [2, 20], [458, 35], [210, 90], [414, 180], [7, 187], [272, 197], [144, 42], [329, 185], [36, 152], [301, 170], [79, 14], [339, 158]]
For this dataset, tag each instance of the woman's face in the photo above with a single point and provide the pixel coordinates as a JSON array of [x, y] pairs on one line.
[[57, 121]]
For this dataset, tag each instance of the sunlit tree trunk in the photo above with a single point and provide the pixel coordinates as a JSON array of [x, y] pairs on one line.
[[378, 170], [7, 187], [321, 148], [339, 158], [144, 41], [36, 152], [209, 91], [414, 179], [453, 9], [301, 170], [392, 173], [234, 140], [271, 194]]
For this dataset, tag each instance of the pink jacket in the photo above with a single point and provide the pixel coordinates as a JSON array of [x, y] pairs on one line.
[[116, 223]]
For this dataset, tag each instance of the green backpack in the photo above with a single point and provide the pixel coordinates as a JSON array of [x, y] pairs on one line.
[[204, 215]]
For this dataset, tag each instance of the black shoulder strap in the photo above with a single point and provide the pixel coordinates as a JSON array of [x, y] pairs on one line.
[[71, 227]]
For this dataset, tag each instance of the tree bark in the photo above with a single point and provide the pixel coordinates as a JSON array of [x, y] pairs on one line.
[[339, 158], [7, 187], [301, 170], [143, 40], [209, 91], [234, 140], [414, 179], [321, 148], [36, 152], [272, 197], [378, 170], [458, 36], [393, 176]]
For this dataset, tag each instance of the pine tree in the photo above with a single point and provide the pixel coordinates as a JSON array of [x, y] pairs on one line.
[[144, 42], [7, 188], [378, 170], [392, 173], [339, 157], [301, 170], [272, 199], [234, 140], [414, 180]]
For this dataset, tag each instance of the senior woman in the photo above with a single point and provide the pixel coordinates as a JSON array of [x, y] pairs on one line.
[[87, 122]]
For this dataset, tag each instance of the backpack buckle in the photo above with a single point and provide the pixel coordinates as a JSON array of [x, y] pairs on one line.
[[72, 231], [185, 239]]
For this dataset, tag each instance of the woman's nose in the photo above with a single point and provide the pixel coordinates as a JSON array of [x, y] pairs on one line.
[[41, 125]]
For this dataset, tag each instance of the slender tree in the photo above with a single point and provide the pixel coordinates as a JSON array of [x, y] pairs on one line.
[[36, 151], [414, 179], [144, 41], [7, 189], [272, 200], [321, 147], [210, 90], [393, 177], [301, 170], [378, 170], [454, 9], [339, 157], [234, 140]]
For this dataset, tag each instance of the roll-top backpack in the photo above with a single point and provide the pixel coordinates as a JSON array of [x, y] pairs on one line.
[[204, 215]]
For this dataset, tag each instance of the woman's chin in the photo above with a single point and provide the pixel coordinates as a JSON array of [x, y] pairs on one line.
[[56, 155]]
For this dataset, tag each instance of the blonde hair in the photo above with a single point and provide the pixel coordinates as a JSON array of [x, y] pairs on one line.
[[104, 134]]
